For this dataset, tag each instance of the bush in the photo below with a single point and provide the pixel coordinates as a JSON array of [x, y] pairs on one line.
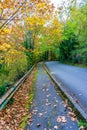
[[14, 70], [3, 89], [17, 68]]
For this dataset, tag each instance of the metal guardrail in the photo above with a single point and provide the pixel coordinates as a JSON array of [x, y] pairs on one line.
[[59, 85], [9, 94]]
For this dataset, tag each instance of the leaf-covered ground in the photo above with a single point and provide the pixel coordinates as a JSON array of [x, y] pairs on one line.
[[15, 114]]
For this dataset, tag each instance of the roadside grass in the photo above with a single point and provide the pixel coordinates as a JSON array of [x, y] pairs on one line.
[[82, 123]]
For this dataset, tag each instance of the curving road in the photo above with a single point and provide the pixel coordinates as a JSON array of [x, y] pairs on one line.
[[48, 107], [74, 80]]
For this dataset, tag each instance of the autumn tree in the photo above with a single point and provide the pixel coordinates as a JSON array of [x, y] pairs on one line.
[[11, 39]]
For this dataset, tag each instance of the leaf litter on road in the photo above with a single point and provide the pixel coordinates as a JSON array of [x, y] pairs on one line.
[[11, 116], [61, 119]]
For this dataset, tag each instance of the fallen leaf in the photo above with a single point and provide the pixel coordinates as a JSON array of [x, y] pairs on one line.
[[55, 127], [48, 104], [70, 108], [48, 95], [61, 119], [46, 100], [73, 119], [82, 128], [77, 101], [55, 106], [38, 125], [72, 114], [40, 114]]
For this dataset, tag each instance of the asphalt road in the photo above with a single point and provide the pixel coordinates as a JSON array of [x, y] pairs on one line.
[[74, 80], [48, 107]]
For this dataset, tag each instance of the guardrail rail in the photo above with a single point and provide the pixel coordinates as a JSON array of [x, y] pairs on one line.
[[9, 94]]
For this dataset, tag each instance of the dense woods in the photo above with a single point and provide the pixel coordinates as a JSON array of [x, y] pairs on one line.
[[34, 31], [74, 43]]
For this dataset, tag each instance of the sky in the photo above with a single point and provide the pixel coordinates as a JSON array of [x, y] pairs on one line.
[[58, 2]]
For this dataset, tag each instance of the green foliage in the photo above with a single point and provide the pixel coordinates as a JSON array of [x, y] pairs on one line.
[[68, 44], [30, 58], [80, 55], [82, 123], [17, 68], [3, 89], [3, 74], [12, 72], [29, 41], [74, 40]]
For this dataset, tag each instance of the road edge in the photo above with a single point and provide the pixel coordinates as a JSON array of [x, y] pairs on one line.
[[59, 85]]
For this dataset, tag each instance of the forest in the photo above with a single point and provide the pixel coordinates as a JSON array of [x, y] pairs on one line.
[[34, 31]]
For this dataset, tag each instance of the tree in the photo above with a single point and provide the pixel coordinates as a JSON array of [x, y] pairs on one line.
[[74, 40]]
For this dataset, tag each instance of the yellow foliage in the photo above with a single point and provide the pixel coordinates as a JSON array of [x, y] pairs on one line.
[[4, 47], [37, 16], [11, 55], [40, 5], [33, 22]]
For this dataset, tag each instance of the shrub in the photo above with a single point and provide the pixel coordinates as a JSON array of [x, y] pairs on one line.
[[3, 89], [12, 71]]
